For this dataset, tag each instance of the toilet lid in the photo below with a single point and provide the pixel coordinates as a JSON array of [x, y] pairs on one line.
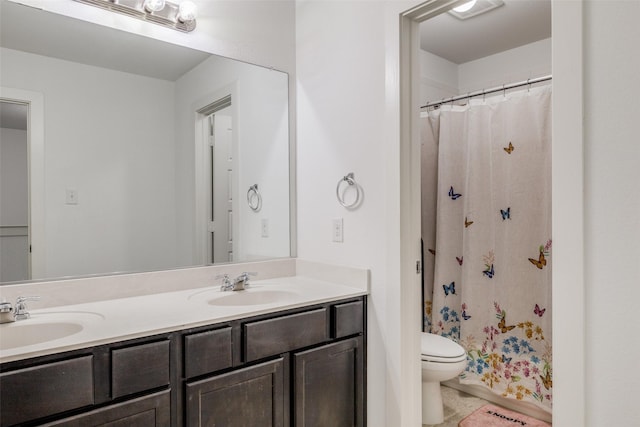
[[440, 347]]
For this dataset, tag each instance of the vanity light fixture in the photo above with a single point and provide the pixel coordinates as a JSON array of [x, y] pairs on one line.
[[181, 17], [154, 5], [474, 8]]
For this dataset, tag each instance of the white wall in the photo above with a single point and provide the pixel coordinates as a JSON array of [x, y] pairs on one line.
[[259, 103], [96, 146], [347, 77], [440, 78], [612, 207], [518, 64]]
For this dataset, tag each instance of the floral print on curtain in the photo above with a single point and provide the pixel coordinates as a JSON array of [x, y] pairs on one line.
[[488, 247]]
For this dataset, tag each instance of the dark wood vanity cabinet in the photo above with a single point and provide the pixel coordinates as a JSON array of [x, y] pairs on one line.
[[328, 385], [301, 367], [246, 397], [97, 386]]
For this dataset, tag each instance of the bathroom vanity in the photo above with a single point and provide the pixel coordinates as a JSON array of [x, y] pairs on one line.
[[285, 352]]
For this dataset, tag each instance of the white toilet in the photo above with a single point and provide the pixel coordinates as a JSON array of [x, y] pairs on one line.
[[442, 359]]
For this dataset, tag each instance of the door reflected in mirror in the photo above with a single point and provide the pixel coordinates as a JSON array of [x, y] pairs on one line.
[[132, 172]]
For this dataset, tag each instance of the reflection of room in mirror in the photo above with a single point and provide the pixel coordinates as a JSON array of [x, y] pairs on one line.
[[119, 114], [14, 197]]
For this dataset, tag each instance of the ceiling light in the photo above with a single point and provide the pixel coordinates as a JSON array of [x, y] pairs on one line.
[[181, 17], [475, 8], [465, 6]]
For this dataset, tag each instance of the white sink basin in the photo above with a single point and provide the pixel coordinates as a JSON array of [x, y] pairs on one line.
[[252, 297], [255, 295], [45, 326], [23, 333]]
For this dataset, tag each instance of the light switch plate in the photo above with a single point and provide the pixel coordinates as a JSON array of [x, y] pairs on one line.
[[337, 230]]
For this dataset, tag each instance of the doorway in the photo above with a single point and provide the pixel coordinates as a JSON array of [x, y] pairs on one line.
[[217, 179], [462, 58], [567, 199], [14, 191]]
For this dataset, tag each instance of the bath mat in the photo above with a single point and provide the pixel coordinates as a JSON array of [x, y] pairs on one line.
[[494, 416]]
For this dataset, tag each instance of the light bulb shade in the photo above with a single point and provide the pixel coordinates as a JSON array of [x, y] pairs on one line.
[[465, 6], [187, 11], [153, 5]]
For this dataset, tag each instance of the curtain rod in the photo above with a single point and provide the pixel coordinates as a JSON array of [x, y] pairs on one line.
[[487, 91]]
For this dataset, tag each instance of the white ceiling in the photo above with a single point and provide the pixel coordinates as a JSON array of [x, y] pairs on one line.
[[516, 23], [45, 33]]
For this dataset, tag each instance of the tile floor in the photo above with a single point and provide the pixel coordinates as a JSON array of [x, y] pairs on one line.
[[457, 405]]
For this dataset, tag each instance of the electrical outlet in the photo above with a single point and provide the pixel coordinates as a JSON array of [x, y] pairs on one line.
[[71, 197], [264, 226], [337, 230]]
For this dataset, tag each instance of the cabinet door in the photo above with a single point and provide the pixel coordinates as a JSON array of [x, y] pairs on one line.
[[248, 397], [149, 411], [329, 385]]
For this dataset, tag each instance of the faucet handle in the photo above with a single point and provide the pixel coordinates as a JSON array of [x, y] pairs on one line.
[[21, 300], [21, 306], [227, 284], [245, 275]]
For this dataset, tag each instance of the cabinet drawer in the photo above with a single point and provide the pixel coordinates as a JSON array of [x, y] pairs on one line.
[[348, 319], [274, 336], [139, 368], [207, 352], [153, 410], [32, 393]]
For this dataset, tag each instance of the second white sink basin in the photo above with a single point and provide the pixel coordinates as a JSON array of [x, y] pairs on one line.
[[252, 297]]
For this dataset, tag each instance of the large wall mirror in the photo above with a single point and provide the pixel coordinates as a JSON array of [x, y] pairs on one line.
[[152, 156]]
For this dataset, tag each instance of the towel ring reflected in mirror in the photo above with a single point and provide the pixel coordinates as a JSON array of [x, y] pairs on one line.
[[254, 198], [341, 190]]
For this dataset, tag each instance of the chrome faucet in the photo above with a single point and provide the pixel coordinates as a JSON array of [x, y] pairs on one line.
[[240, 283], [20, 312]]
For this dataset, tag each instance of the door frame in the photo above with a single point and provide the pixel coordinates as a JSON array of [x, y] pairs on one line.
[[200, 168], [36, 176], [568, 307]]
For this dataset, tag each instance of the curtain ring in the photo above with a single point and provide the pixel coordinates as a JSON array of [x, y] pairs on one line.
[[254, 199], [504, 91], [351, 181], [528, 86]]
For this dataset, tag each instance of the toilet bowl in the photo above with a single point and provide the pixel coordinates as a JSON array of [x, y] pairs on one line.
[[442, 359]]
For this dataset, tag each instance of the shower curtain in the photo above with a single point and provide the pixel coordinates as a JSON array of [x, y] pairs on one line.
[[487, 243]]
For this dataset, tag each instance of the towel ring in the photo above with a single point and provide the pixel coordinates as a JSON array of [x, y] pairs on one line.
[[254, 199], [349, 180]]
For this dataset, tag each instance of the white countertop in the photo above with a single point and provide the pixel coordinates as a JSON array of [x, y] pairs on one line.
[[113, 320]]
